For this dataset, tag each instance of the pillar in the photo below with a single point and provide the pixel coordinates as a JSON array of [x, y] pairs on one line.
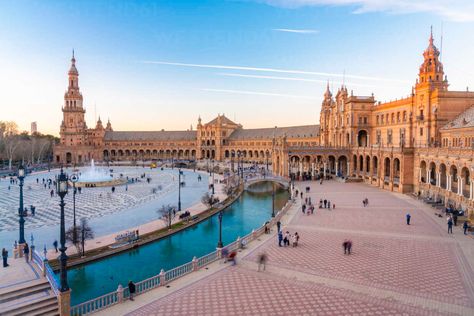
[[348, 169], [324, 171], [336, 164], [312, 170], [64, 302], [428, 176], [471, 190], [419, 175], [438, 179], [460, 185], [448, 182]]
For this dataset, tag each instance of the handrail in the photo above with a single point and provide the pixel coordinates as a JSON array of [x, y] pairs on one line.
[[37, 259], [96, 304], [52, 280], [119, 295]]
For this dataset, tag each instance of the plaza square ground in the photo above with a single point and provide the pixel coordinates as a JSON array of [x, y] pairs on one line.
[[394, 269]]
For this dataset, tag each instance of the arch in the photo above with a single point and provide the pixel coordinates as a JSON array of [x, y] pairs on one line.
[[432, 173], [155, 153], [387, 169], [396, 170], [362, 138], [193, 154], [375, 165], [120, 153], [367, 164], [332, 164], [213, 154], [226, 154], [213, 142], [106, 154], [453, 171], [127, 152], [466, 182], [68, 157], [113, 153], [423, 171], [361, 163], [443, 175], [342, 168], [354, 163]]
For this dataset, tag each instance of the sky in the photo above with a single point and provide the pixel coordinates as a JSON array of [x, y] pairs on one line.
[[152, 65]]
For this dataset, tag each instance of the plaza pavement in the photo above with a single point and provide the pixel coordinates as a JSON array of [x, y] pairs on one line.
[[395, 269]]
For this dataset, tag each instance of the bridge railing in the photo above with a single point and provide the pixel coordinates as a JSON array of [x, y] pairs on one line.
[[163, 278]]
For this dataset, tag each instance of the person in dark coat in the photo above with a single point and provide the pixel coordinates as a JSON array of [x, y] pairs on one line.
[[280, 238], [5, 257], [131, 289], [408, 218], [450, 225], [26, 251], [465, 226]]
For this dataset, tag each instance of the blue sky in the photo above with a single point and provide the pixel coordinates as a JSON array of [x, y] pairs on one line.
[[152, 65]]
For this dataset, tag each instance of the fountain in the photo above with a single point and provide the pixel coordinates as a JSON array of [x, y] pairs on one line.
[[97, 177]]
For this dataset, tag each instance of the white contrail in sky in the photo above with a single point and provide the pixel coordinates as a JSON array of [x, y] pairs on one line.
[[301, 72], [259, 93], [297, 31], [295, 79]]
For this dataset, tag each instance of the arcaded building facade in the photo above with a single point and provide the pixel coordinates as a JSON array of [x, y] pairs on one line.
[[423, 143]]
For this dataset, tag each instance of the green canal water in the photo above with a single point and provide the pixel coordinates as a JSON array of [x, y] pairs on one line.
[[248, 212]]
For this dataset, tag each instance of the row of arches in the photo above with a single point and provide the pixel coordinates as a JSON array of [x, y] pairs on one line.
[[449, 177], [247, 154], [119, 154]]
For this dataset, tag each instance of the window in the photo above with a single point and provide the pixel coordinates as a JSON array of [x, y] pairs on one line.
[[365, 120], [421, 131], [379, 137], [389, 136], [377, 120]]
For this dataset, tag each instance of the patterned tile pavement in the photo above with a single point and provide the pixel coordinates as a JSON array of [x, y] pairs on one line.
[[395, 269], [238, 291]]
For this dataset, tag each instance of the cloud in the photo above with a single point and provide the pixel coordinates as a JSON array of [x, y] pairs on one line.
[[260, 93], [297, 31], [244, 68], [453, 10], [296, 79]]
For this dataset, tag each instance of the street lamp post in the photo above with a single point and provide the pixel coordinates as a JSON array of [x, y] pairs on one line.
[[179, 189], [21, 177], [219, 243], [62, 188], [74, 178], [273, 199], [212, 166]]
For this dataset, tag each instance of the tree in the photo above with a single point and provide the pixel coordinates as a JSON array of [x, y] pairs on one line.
[[209, 200], [78, 238], [167, 214]]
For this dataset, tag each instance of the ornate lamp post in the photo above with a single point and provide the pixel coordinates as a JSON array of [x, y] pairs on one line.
[[21, 177], [62, 188], [273, 199], [74, 178], [219, 243], [212, 169], [179, 189]]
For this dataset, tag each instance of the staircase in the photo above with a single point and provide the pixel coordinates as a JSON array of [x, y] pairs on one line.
[[31, 298]]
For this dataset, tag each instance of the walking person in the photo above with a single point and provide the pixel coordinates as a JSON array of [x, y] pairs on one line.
[[55, 245], [280, 237], [344, 245], [286, 240], [5, 257], [450, 225], [408, 216], [262, 260], [131, 289], [455, 218], [465, 226], [349, 247], [278, 226], [26, 252]]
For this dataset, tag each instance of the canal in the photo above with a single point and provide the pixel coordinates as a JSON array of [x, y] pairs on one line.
[[248, 212]]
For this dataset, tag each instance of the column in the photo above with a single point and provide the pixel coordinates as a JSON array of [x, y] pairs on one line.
[[419, 175], [324, 171], [348, 169], [460, 185], [448, 182], [337, 167], [312, 170], [438, 179], [471, 190], [428, 176]]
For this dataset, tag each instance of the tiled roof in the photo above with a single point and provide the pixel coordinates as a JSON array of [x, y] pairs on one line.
[[465, 119], [306, 131], [223, 120], [152, 135]]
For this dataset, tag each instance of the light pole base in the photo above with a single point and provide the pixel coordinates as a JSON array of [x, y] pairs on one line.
[[64, 302]]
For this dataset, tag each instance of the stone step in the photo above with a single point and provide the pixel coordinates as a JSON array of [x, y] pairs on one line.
[[22, 290], [38, 306]]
